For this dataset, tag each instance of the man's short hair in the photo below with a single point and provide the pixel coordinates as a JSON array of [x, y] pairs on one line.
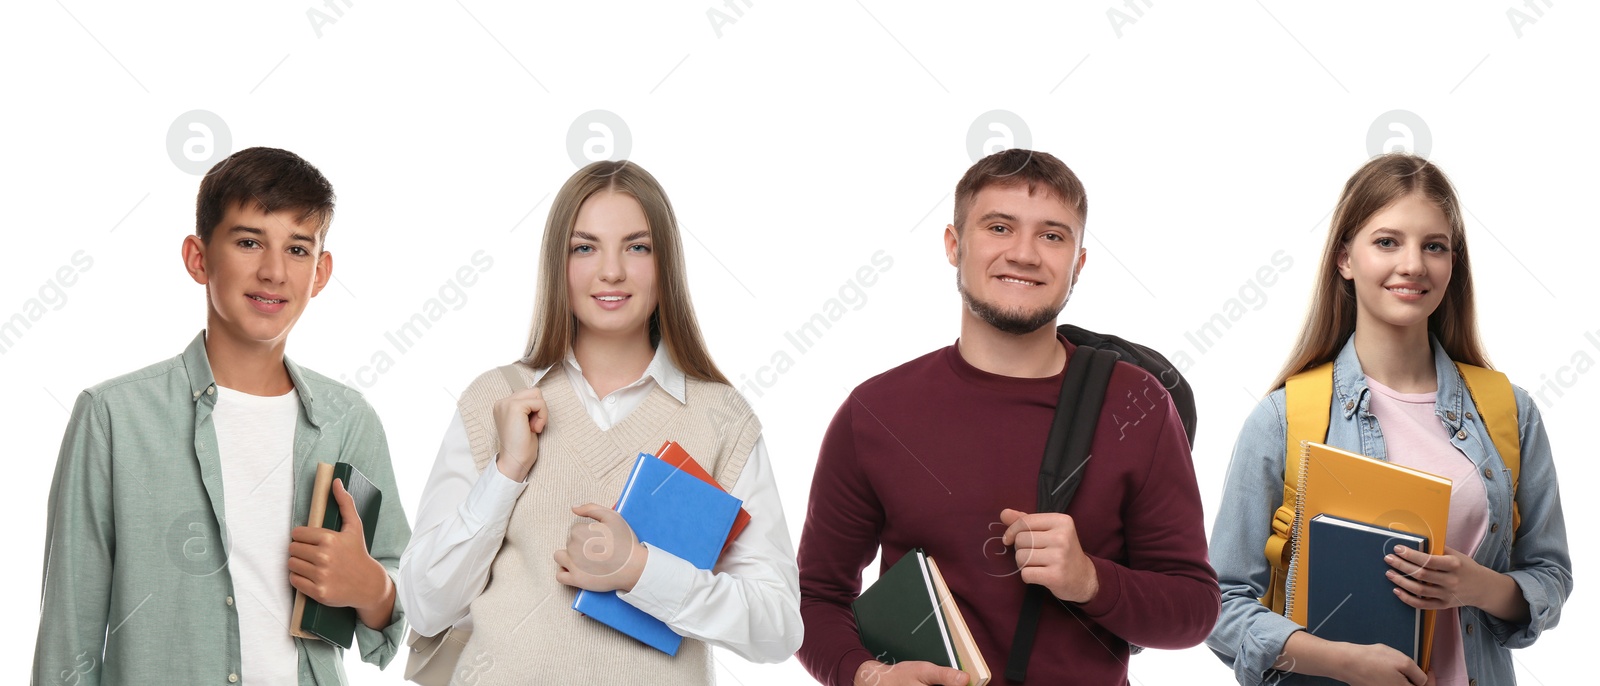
[[270, 179], [1021, 167]]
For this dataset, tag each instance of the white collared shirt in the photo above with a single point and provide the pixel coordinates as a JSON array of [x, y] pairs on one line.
[[750, 603]]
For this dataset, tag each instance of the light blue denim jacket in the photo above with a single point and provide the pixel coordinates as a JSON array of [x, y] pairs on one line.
[[1249, 637]]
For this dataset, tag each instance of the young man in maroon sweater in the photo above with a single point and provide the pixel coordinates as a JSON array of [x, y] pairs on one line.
[[943, 453]]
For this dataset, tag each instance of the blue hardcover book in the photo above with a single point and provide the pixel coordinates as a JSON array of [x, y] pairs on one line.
[[1350, 598], [672, 511]]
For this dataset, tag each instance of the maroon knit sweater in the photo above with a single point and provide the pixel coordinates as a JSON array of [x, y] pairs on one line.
[[928, 454]]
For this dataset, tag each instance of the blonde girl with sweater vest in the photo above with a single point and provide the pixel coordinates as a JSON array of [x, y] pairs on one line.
[[515, 517]]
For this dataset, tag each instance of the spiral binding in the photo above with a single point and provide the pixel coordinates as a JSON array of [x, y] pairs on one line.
[[1294, 533]]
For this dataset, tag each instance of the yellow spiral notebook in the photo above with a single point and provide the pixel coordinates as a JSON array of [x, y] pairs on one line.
[[1344, 484]]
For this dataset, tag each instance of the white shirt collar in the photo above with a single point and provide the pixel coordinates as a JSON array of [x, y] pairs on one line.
[[661, 369]]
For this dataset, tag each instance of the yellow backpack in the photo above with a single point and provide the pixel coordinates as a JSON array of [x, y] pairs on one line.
[[1308, 395]]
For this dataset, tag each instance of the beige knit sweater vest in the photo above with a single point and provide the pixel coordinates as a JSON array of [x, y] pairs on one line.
[[525, 630]]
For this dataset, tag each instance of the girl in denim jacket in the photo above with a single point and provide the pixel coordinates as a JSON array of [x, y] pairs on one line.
[[1393, 310]]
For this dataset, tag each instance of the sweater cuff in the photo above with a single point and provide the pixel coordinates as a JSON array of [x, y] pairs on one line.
[[1109, 576], [845, 673]]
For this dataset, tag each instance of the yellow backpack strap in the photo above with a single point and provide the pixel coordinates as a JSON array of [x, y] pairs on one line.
[[1307, 398], [1497, 404]]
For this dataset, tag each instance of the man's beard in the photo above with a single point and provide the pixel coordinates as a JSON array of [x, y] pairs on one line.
[[1014, 322]]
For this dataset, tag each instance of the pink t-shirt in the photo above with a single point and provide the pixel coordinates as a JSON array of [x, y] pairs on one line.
[[1415, 437]]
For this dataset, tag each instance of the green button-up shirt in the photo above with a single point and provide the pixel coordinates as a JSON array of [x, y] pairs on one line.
[[136, 582]]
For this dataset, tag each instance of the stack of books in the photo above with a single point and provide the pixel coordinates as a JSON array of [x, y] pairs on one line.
[[311, 619], [910, 614], [673, 504], [1350, 512]]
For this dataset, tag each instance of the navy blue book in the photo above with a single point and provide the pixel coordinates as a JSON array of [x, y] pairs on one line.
[[1350, 598], [672, 511]]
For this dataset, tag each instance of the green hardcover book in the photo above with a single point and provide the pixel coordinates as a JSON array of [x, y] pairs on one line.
[[900, 618], [311, 619]]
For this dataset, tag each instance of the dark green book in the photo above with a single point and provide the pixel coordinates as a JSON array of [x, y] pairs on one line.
[[311, 619], [900, 619]]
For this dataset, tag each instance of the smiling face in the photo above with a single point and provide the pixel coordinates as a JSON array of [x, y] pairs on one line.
[[1400, 263], [611, 271], [1016, 257], [260, 269]]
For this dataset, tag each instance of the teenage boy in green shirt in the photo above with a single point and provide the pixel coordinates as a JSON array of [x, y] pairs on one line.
[[176, 534]]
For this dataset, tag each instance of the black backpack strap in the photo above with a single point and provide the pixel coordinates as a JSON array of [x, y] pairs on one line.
[[1151, 361], [1066, 453]]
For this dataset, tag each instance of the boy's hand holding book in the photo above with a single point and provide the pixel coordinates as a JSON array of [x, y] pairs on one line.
[[334, 568], [909, 673], [1049, 554], [602, 552], [910, 622]]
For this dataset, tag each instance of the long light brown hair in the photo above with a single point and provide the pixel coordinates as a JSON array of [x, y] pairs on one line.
[[673, 322], [1332, 317]]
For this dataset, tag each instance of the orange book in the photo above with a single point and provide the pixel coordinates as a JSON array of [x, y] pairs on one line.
[[1361, 489], [674, 454]]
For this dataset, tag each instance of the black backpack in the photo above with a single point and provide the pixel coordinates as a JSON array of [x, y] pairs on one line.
[[1083, 392], [1146, 359]]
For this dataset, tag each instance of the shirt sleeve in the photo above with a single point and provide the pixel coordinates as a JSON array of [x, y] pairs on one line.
[[840, 538], [80, 542], [750, 602], [1249, 636], [1165, 595], [460, 525], [379, 646], [1541, 563]]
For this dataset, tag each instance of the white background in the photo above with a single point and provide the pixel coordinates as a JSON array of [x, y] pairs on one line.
[[795, 144]]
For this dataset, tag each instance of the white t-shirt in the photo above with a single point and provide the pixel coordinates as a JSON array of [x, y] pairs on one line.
[[255, 440]]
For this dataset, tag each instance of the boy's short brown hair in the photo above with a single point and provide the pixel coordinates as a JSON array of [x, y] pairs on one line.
[[1021, 167], [272, 180]]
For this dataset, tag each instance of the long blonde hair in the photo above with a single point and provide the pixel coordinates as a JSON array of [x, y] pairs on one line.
[[673, 322], [1332, 317]]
